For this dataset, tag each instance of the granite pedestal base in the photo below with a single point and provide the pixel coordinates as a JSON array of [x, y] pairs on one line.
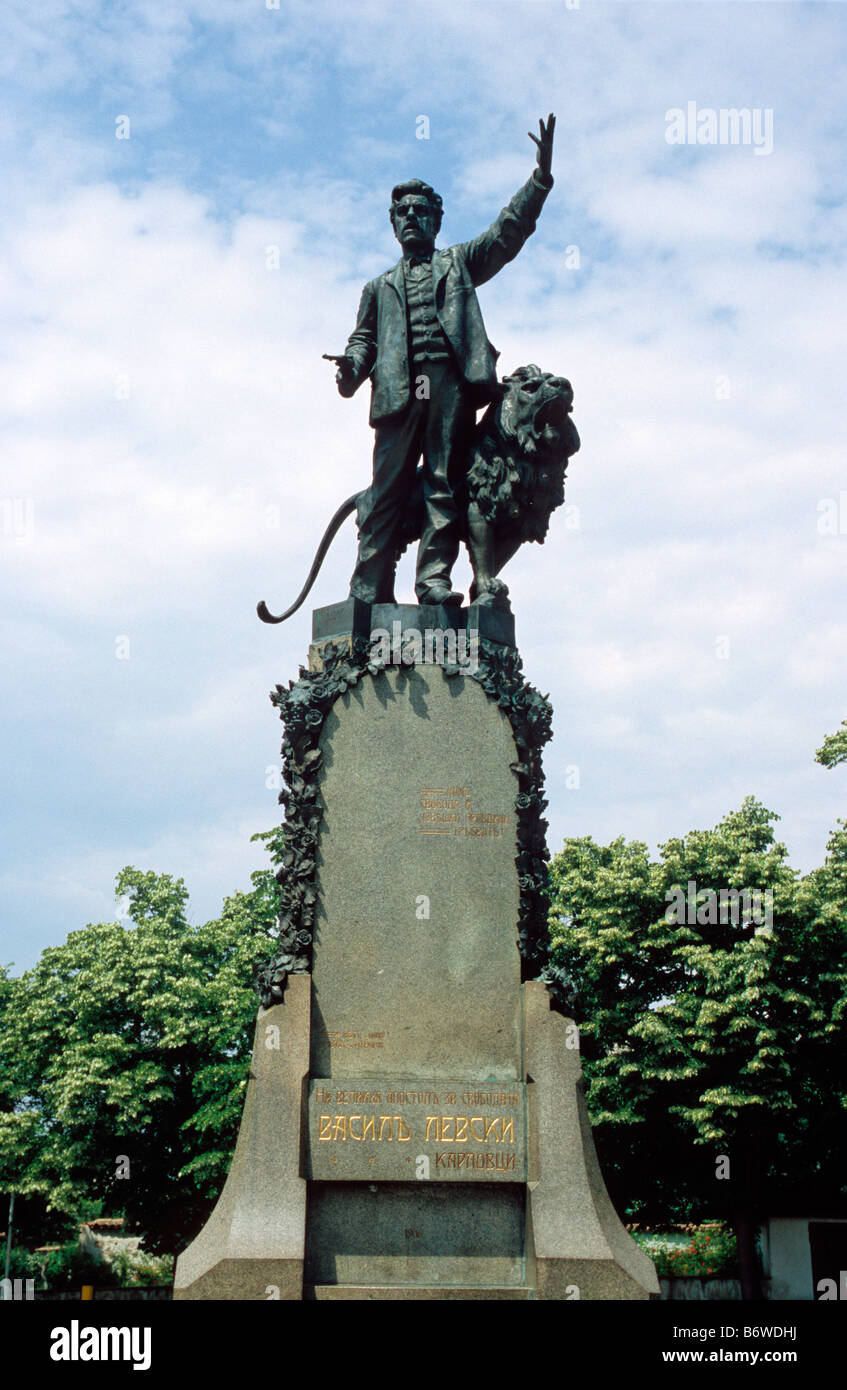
[[414, 1126], [276, 1233]]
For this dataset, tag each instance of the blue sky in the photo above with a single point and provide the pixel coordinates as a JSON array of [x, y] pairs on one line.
[[173, 443]]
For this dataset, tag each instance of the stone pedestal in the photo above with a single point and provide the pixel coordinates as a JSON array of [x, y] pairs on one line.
[[419, 1133], [578, 1245], [416, 971], [252, 1245]]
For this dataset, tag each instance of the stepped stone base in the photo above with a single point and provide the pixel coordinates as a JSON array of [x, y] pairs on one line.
[[252, 1245], [556, 1236], [414, 1125], [405, 1293]]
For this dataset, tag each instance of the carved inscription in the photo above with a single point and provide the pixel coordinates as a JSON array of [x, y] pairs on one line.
[[399, 1131], [449, 811], [351, 1039]]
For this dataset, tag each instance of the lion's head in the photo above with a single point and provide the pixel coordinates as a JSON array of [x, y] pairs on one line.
[[520, 452]]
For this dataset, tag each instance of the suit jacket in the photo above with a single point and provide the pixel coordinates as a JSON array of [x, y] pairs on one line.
[[379, 345]]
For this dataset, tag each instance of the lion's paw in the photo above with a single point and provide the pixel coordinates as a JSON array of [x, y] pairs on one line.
[[494, 594]]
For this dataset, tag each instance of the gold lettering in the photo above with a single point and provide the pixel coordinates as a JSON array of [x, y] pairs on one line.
[[400, 1128], [368, 1128], [477, 1120], [491, 1127], [325, 1122], [430, 1121], [489, 1160], [383, 1121], [447, 1136], [339, 1129], [461, 1129], [350, 1127], [508, 1131]]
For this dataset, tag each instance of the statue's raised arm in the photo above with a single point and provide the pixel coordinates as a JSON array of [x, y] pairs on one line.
[[487, 254]]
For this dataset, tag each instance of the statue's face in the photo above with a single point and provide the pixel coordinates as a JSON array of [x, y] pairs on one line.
[[414, 222]]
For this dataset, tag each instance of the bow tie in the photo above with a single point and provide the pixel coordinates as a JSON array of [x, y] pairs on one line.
[[412, 261]]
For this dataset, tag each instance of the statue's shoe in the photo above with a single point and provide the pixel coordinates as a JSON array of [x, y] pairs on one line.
[[439, 594]]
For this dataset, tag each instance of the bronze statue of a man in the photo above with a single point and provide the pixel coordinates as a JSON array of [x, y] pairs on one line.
[[420, 338]]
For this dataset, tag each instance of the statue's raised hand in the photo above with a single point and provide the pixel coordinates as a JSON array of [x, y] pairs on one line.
[[544, 154]]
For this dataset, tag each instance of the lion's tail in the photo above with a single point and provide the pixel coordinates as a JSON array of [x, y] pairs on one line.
[[329, 535]]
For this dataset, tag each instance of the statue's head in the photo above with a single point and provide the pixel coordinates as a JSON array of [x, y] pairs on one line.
[[416, 214]]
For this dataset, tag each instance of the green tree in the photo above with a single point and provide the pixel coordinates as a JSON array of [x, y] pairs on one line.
[[708, 1044], [833, 750], [124, 1055]]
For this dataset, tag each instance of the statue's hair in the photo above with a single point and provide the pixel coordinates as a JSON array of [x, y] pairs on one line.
[[420, 190]]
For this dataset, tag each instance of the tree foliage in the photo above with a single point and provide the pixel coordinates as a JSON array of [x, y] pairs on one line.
[[707, 1039], [833, 750], [124, 1052]]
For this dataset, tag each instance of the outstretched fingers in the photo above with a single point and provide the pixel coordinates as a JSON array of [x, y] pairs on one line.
[[546, 132]]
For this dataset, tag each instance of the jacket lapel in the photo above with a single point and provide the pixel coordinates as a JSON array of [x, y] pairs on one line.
[[441, 262], [397, 279]]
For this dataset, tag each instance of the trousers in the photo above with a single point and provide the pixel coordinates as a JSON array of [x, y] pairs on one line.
[[437, 423]]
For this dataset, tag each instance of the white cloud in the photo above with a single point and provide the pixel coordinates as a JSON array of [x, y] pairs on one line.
[[182, 445]]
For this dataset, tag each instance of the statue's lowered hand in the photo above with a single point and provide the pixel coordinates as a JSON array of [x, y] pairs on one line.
[[344, 375]]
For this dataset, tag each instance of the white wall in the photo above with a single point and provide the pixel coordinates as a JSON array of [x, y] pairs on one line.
[[787, 1257]]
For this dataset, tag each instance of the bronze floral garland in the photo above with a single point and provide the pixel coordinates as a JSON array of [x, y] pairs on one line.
[[303, 708]]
